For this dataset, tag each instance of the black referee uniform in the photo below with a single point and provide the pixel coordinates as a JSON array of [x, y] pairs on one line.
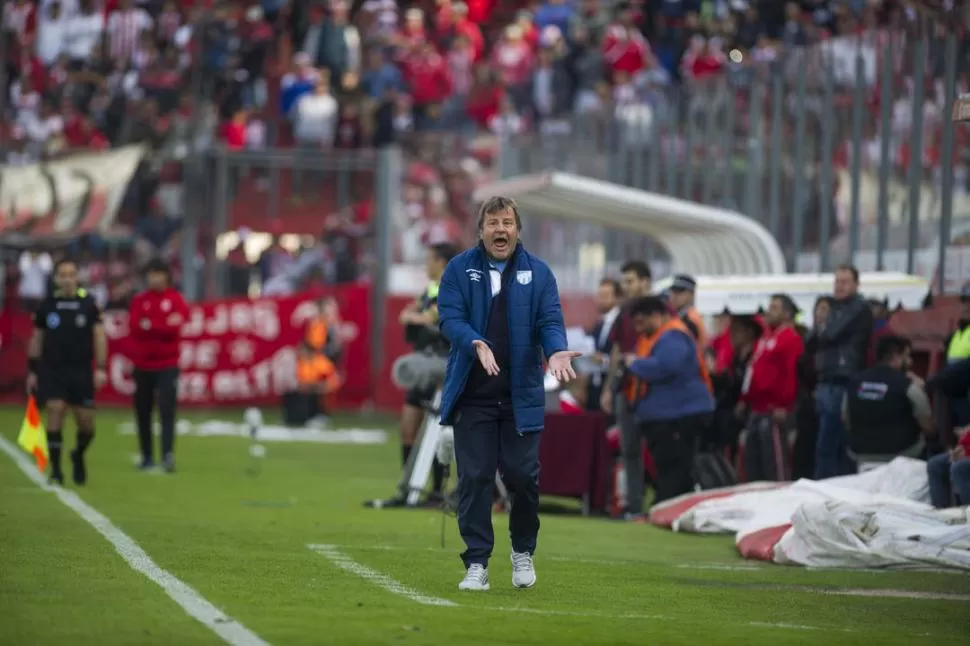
[[65, 369]]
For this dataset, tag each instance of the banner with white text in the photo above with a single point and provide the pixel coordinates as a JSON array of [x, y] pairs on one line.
[[234, 352]]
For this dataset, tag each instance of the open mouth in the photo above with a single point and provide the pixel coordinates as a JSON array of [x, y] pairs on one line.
[[500, 244]]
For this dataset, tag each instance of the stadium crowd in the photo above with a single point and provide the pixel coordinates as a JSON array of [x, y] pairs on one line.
[[783, 400]]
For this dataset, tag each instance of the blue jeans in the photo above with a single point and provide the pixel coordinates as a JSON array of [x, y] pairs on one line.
[[831, 458], [946, 477]]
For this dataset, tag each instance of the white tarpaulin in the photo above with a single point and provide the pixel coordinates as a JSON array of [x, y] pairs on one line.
[[880, 518]]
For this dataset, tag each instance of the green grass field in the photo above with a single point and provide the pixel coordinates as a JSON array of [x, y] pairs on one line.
[[241, 541]]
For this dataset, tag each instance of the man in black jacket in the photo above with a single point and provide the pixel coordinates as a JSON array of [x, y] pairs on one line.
[[843, 341]]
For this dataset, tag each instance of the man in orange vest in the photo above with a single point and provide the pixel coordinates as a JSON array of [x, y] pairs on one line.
[[674, 403], [682, 291], [316, 370]]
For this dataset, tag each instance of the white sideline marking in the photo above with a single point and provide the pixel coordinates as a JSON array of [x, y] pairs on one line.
[[719, 566], [344, 562], [194, 604], [568, 559], [893, 594]]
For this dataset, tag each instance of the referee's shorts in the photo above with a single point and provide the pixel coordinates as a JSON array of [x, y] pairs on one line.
[[74, 386]]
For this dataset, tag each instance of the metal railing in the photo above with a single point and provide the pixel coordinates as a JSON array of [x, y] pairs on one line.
[[816, 145]]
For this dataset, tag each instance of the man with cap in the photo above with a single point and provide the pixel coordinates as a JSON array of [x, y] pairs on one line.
[[681, 298]]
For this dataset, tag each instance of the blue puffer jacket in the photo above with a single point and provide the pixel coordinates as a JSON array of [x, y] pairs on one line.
[[535, 327]]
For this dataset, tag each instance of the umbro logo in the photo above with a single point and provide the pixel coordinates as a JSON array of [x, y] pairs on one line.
[[474, 275]]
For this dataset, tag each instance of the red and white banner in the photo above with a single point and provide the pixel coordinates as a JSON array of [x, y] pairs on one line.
[[234, 352], [77, 194]]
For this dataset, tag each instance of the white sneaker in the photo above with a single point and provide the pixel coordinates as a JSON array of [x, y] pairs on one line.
[[523, 570], [476, 578]]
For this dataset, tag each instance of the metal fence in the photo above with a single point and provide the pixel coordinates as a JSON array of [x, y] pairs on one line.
[[816, 145]]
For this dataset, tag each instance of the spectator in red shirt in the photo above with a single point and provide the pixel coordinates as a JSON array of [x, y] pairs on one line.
[[624, 47], [155, 319], [426, 72], [770, 392], [484, 97], [234, 131]]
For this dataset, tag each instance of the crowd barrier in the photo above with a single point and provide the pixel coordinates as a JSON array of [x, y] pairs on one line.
[[234, 352]]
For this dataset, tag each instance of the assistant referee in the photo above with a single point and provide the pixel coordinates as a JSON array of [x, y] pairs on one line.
[[66, 358]]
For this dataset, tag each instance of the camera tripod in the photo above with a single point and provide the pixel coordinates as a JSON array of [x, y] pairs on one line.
[[416, 472]]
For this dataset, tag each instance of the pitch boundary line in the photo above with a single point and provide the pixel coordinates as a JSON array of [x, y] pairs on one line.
[[194, 604]]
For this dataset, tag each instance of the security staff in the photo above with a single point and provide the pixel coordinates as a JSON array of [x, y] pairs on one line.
[[958, 349], [674, 404], [499, 307], [420, 321], [67, 356], [682, 293], [886, 411]]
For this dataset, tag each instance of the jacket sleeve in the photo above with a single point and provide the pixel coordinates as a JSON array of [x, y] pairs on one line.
[[549, 323], [851, 326], [670, 354], [791, 353], [453, 314]]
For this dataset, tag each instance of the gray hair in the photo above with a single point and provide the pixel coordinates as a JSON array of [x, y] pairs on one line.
[[496, 204]]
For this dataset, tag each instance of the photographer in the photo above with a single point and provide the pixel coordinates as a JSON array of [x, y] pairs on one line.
[[420, 321]]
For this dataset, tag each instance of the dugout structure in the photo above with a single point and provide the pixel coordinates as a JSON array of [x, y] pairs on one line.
[[700, 240]]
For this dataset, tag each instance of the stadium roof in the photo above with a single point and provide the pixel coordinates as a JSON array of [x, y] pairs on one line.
[[701, 240]]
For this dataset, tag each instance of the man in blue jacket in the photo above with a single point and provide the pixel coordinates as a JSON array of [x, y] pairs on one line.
[[499, 307], [674, 405]]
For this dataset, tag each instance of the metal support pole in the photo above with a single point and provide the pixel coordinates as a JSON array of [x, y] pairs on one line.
[[825, 188], [387, 196], [707, 189], [916, 151], [799, 174], [774, 178], [221, 219], [727, 192], [690, 139], [858, 110], [946, 206], [192, 207], [885, 158], [754, 149]]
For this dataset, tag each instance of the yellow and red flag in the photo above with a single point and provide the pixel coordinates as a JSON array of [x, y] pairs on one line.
[[32, 436]]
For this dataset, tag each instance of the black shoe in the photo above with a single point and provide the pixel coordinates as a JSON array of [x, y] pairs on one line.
[[80, 472], [56, 478], [169, 463], [146, 464]]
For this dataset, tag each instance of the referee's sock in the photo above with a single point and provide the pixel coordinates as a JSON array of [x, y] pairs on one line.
[[54, 449], [83, 440], [405, 453]]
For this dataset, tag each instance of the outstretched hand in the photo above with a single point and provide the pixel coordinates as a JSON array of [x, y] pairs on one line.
[[561, 365], [486, 358]]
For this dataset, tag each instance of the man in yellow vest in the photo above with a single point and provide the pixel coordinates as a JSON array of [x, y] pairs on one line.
[[958, 349]]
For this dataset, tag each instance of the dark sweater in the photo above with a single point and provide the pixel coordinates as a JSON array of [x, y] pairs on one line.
[[483, 389]]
